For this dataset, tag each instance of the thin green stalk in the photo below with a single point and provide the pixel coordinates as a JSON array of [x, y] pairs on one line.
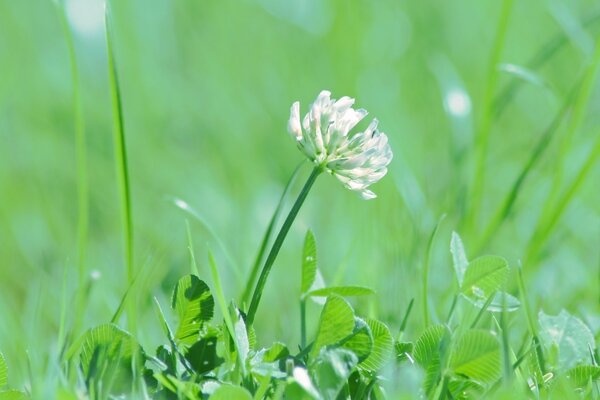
[[121, 167], [303, 322], [426, 271], [482, 139], [530, 321], [267, 237], [193, 264], [546, 52], [555, 213], [507, 204], [81, 153], [579, 109], [264, 274]]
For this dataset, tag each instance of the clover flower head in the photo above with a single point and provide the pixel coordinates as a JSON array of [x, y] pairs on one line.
[[357, 160]]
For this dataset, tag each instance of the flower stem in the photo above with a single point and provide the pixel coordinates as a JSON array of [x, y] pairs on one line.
[[264, 274]]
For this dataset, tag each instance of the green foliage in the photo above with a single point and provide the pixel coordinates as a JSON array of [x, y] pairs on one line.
[[344, 291], [582, 375], [13, 395], [476, 355], [485, 276], [332, 369], [429, 351], [336, 323], [567, 339], [382, 346], [230, 392], [3, 372], [309, 262], [194, 305]]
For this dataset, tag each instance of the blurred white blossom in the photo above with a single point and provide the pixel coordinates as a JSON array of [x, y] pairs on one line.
[[357, 160]]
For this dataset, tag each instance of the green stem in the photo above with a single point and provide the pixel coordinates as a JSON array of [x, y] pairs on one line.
[[303, 322], [531, 321], [426, 271], [121, 166], [267, 237], [507, 204], [541, 234], [82, 174], [482, 140], [264, 274]]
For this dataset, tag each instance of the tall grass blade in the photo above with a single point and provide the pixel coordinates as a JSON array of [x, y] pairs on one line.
[[554, 206], [482, 138], [426, 271], [121, 164], [267, 237], [505, 208], [81, 152], [184, 206], [193, 266]]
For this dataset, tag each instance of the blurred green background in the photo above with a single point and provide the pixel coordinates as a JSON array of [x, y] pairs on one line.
[[207, 87]]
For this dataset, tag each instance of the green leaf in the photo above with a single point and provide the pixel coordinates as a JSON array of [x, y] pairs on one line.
[[302, 387], [383, 346], [567, 335], [484, 276], [477, 355], [459, 257], [241, 334], [194, 305], [500, 300], [581, 375], [403, 351], [13, 395], [331, 371], [336, 323], [428, 349], [230, 392], [465, 389], [202, 355], [361, 340], [276, 352], [3, 372], [309, 262], [109, 351], [344, 291], [525, 74], [265, 363]]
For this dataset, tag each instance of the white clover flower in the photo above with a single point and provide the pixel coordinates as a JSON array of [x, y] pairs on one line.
[[357, 160]]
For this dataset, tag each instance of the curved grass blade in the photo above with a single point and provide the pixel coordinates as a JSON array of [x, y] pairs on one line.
[[120, 148], [483, 135], [426, 270], [267, 237], [540, 59], [80, 146], [184, 206]]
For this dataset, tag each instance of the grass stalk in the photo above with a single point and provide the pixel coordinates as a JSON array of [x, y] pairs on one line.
[[80, 149], [505, 208], [267, 237], [287, 224], [554, 206], [426, 271], [531, 321], [482, 139], [556, 212], [121, 164]]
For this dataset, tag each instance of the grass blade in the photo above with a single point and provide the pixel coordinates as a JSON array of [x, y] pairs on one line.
[[267, 237], [120, 149], [426, 271], [482, 138], [184, 206]]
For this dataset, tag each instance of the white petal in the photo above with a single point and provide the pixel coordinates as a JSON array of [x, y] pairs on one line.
[[294, 127]]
